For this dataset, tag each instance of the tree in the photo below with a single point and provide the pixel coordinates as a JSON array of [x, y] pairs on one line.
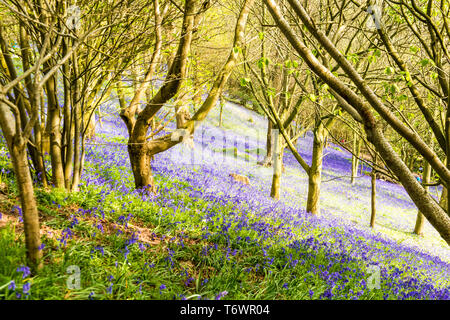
[[141, 149], [47, 42], [272, 89], [361, 108]]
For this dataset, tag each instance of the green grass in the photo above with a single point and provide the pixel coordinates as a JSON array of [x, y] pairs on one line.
[[236, 269]]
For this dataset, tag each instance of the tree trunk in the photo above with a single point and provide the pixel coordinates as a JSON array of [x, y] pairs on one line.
[[42, 173], [68, 126], [373, 204], [222, 102], [54, 122], [140, 159], [121, 96], [418, 229], [447, 135], [182, 112], [267, 162], [77, 123], [444, 198], [18, 150], [355, 157], [277, 164], [315, 174], [68, 165], [28, 204], [77, 151], [411, 163], [90, 121]]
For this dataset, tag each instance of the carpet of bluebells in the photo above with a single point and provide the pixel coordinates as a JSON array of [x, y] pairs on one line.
[[206, 236]]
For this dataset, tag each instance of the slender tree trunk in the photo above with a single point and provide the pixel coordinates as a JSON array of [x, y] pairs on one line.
[[77, 152], [69, 139], [315, 174], [99, 118], [68, 128], [373, 198], [411, 163], [82, 158], [222, 102], [444, 198], [77, 130], [45, 145], [121, 96], [355, 160], [40, 156], [447, 135], [267, 162], [198, 90], [54, 122], [197, 99], [90, 124], [277, 164], [182, 111], [418, 229]]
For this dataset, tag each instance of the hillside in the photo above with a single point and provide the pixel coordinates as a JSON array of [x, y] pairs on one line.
[[204, 236]]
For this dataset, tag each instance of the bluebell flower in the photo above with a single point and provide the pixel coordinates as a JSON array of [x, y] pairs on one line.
[[26, 271], [12, 285], [221, 295], [26, 288], [110, 289], [19, 211], [327, 294]]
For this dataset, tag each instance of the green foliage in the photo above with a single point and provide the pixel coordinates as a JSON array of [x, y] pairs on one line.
[[245, 82], [389, 70], [263, 62]]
